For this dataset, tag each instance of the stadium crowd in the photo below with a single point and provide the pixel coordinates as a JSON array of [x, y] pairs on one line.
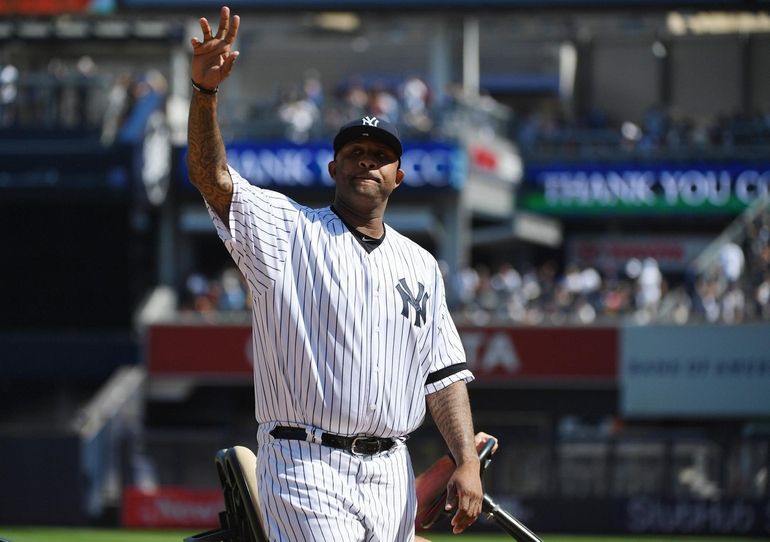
[[79, 95], [660, 130], [733, 288], [77, 99], [304, 112]]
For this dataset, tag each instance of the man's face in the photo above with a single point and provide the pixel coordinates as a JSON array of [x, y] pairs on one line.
[[366, 172]]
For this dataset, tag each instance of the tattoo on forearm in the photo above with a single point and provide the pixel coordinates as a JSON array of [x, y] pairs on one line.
[[206, 158], [451, 411]]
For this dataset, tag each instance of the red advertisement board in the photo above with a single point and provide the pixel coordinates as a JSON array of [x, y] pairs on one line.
[[542, 354], [44, 7], [494, 353], [168, 507], [202, 350]]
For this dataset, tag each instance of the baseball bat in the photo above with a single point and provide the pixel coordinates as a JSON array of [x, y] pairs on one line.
[[507, 522]]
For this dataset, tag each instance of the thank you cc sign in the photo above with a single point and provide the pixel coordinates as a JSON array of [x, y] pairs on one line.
[[660, 187]]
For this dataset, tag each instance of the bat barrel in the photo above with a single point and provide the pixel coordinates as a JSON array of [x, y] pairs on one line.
[[507, 522]]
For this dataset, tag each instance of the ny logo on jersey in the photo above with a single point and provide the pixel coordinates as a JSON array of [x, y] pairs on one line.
[[410, 300], [370, 121]]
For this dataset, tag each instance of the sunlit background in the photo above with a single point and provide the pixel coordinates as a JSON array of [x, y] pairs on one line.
[[593, 177]]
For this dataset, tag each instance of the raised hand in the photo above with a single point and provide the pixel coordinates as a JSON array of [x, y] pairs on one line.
[[213, 57]]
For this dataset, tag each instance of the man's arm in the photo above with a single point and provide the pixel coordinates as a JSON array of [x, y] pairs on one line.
[[451, 411], [206, 159]]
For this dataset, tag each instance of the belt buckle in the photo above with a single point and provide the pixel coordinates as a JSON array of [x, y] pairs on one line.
[[365, 439]]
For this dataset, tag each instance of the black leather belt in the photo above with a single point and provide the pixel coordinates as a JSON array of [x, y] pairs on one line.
[[358, 445]]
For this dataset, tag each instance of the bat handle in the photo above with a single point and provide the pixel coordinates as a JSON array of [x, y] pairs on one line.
[[486, 450], [507, 522], [485, 455]]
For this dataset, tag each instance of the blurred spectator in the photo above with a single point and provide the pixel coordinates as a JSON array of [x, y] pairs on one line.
[[383, 103], [9, 91], [649, 290], [762, 297], [415, 96], [215, 298], [87, 96], [466, 283], [148, 94], [117, 107], [733, 305], [313, 88], [731, 261], [355, 100], [233, 294], [299, 113]]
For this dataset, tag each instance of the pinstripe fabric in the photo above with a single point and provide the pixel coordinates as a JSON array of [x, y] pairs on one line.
[[344, 341], [332, 347], [315, 493]]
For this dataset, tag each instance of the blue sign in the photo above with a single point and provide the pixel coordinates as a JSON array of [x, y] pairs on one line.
[[285, 165]]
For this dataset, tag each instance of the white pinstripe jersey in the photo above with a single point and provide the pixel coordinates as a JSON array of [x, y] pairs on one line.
[[344, 340]]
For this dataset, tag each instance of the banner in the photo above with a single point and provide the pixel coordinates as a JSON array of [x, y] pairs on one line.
[[171, 507], [495, 354], [285, 165], [674, 253], [55, 7], [542, 355], [662, 187], [695, 371], [199, 350]]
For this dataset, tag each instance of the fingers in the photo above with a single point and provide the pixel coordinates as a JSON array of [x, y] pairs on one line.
[[481, 438], [228, 63], [468, 510], [233, 32], [464, 496], [206, 28], [227, 30], [463, 519], [224, 22]]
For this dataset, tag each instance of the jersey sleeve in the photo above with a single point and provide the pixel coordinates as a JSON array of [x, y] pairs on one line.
[[449, 364], [257, 235]]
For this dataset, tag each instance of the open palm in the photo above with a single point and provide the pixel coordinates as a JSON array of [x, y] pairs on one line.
[[213, 57]]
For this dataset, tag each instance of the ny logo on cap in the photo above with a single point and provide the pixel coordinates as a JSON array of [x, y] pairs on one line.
[[370, 121]]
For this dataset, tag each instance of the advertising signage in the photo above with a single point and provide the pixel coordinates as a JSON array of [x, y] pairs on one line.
[[552, 356], [285, 165], [631, 188], [695, 371], [55, 7]]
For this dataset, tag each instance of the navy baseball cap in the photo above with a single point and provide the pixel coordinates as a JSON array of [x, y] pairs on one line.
[[370, 126]]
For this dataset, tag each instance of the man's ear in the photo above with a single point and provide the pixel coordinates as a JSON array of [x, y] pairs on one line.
[[332, 167], [400, 174]]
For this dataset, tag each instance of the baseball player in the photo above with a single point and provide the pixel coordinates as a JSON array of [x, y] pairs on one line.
[[352, 336]]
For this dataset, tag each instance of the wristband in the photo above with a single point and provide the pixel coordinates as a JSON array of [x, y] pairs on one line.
[[204, 90]]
